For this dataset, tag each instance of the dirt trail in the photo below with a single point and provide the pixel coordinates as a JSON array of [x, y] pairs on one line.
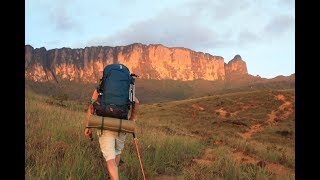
[[286, 108], [222, 112], [164, 177], [277, 169], [196, 108], [209, 157], [253, 129]]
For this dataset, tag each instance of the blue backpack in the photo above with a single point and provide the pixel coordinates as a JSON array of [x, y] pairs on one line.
[[115, 92]]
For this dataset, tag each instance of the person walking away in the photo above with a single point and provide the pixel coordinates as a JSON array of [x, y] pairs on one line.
[[111, 142]]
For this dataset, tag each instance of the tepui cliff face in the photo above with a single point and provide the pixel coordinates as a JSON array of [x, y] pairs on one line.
[[235, 68], [148, 61]]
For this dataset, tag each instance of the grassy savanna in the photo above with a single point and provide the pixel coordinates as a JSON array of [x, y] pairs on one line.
[[239, 135], [153, 91]]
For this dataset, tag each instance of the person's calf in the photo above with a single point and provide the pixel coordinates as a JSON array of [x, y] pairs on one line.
[[113, 169], [117, 159]]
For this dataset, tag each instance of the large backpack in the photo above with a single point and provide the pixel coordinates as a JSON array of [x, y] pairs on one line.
[[115, 92]]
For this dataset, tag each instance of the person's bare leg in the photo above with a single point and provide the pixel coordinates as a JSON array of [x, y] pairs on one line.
[[113, 169], [117, 159]]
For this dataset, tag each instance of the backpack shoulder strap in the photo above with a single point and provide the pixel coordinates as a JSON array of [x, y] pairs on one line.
[[100, 87], [94, 96]]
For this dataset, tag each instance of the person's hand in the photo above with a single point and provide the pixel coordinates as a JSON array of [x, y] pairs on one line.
[[88, 133], [132, 118]]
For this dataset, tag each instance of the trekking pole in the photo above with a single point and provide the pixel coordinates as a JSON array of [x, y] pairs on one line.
[[137, 149], [131, 96]]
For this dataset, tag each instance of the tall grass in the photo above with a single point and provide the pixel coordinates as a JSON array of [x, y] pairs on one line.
[[170, 138], [57, 149], [226, 168], [161, 155], [270, 152], [55, 144]]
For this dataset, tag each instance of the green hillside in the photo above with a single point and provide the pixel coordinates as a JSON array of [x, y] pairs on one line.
[[153, 91], [227, 135]]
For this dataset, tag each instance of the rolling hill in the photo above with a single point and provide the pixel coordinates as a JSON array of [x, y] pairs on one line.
[[230, 135]]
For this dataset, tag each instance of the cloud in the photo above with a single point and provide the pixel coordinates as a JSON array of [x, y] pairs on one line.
[[245, 38], [62, 20], [170, 28], [288, 3], [218, 10], [201, 25], [61, 16], [279, 25], [127, 2]]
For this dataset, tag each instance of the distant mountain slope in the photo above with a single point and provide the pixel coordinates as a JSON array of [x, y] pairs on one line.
[[152, 91]]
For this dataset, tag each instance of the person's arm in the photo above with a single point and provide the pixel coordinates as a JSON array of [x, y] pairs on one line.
[[87, 131], [134, 110], [89, 112]]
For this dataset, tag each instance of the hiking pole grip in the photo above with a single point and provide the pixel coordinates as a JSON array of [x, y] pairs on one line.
[[137, 149]]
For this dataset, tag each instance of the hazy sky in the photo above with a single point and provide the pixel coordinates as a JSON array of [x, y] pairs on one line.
[[262, 32]]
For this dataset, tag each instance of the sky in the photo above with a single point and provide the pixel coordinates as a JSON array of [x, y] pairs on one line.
[[261, 32]]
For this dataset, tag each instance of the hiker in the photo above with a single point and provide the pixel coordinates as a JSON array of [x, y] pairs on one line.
[[113, 98], [111, 142]]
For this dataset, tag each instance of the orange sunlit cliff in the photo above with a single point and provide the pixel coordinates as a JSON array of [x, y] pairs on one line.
[[148, 61]]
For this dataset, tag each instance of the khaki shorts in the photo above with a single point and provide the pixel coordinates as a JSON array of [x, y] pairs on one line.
[[110, 143]]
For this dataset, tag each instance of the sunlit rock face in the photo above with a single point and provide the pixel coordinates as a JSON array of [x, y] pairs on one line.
[[148, 61], [236, 68]]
